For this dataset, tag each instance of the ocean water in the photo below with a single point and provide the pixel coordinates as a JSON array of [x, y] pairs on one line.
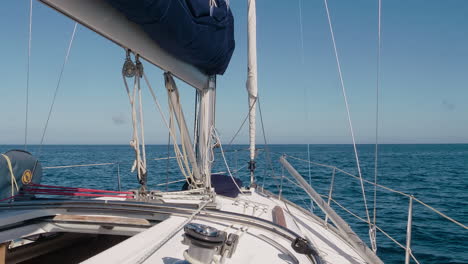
[[435, 174]]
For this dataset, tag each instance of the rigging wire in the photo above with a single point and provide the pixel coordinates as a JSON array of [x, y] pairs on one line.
[[301, 28], [306, 95], [267, 150], [180, 158], [348, 113], [57, 87], [379, 43], [27, 77], [243, 122]]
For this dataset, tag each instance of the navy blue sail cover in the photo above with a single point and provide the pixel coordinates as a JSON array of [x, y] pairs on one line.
[[25, 169], [223, 185], [186, 29]]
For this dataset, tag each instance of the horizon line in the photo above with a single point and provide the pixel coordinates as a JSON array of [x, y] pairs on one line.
[[162, 144]]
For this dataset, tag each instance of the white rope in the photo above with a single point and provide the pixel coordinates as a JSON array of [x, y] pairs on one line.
[[348, 113], [213, 4], [182, 161], [135, 142], [140, 108], [12, 175], [216, 136], [374, 234], [57, 87], [27, 77], [184, 170]]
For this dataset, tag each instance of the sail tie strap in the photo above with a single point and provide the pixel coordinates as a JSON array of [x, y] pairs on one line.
[[12, 179], [213, 4]]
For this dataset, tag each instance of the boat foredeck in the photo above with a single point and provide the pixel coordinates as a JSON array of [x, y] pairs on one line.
[[265, 224]]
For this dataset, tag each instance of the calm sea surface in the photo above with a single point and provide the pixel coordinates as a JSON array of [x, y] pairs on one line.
[[436, 174]]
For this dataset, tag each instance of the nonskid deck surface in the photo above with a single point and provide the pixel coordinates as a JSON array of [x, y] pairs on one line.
[[326, 241], [250, 215]]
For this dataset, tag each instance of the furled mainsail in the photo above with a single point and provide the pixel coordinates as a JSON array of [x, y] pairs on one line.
[[191, 30]]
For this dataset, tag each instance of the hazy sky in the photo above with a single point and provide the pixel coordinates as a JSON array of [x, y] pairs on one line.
[[424, 76]]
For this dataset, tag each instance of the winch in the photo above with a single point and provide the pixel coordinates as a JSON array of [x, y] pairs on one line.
[[206, 242]]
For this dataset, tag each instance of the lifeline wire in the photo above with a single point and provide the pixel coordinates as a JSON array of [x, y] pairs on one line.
[[385, 188], [58, 86], [347, 111], [27, 78]]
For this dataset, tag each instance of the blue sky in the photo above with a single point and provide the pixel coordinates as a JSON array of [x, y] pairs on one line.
[[424, 76]]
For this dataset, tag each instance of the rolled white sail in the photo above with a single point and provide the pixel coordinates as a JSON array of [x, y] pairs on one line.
[[252, 73]]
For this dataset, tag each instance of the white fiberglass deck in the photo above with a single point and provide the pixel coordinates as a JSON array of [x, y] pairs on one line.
[[160, 244]]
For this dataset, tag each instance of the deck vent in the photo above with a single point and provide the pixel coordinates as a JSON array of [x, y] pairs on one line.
[[203, 241]]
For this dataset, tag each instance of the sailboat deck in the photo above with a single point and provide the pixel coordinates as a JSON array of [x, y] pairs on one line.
[[266, 227], [256, 245]]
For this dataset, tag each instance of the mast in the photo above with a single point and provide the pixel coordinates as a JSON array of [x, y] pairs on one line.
[[252, 81], [206, 124]]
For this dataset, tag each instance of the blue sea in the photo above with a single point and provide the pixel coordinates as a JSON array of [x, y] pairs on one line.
[[435, 174]]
